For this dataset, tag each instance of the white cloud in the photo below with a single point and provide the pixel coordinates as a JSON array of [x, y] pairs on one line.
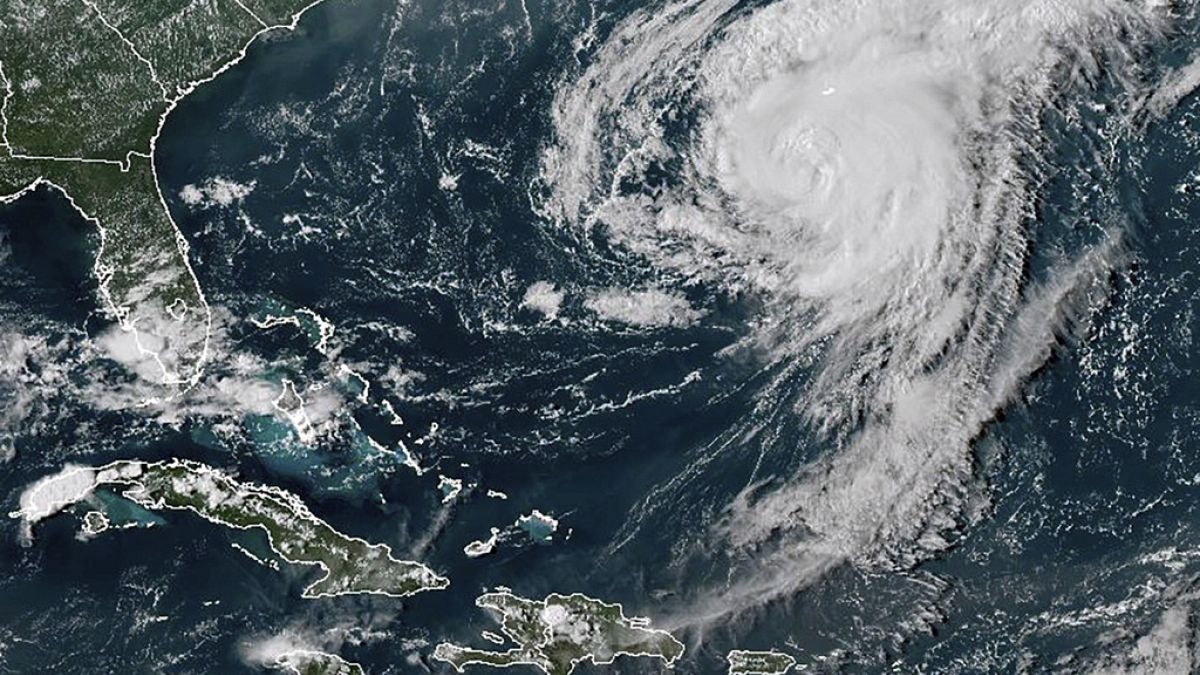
[[1165, 650], [650, 308], [51, 494], [544, 297], [216, 191]]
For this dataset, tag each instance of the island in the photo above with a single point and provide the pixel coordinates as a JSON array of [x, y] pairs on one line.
[[743, 662], [482, 547], [312, 662], [560, 632], [85, 88], [94, 523], [539, 526], [348, 565]]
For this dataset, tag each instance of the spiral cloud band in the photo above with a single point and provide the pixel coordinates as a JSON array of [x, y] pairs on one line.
[[869, 169]]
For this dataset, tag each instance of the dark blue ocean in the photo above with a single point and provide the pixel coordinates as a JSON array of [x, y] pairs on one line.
[[392, 153]]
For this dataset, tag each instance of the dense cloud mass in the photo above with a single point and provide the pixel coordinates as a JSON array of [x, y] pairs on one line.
[[859, 331], [869, 169]]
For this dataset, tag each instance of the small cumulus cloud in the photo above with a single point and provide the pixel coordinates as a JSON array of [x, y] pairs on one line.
[[652, 308], [543, 297], [216, 191]]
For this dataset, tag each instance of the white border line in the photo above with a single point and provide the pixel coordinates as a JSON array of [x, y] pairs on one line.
[[132, 47], [102, 272], [534, 650]]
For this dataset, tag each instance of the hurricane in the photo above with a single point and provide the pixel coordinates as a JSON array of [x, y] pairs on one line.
[[868, 172], [719, 336]]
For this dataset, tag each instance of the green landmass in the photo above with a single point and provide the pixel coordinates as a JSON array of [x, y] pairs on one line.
[[95, 522], [561, 631], [743, 662], [85, 86], [308, 662], [349, 565]]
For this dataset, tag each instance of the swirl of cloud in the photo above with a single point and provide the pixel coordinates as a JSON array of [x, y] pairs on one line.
[[864, 166], [854, 161]]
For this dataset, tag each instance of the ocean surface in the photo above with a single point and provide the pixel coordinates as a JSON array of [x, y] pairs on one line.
[[384, 167]]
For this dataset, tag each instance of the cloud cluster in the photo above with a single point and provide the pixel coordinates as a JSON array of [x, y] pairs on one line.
[[867, 170], [216, 191]]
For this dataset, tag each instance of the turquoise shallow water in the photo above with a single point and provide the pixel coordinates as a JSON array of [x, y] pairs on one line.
[[392, 153]]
